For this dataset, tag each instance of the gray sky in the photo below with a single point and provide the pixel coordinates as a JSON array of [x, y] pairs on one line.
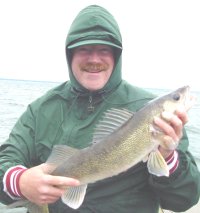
[[160, 38]]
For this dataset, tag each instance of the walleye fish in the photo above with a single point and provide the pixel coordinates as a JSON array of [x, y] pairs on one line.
[[121, 134]]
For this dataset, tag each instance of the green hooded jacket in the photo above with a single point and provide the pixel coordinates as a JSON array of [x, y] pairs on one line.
[[68, 114]]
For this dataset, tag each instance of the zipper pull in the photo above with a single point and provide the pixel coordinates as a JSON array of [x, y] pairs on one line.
[[90, 105]]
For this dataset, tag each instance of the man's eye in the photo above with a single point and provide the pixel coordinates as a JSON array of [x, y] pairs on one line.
[[105, 51], [84, 50]]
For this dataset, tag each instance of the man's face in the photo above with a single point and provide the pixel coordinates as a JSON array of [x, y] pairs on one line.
[[92, 65]]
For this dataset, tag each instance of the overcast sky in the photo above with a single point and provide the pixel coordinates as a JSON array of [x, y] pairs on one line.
[[160, 39]]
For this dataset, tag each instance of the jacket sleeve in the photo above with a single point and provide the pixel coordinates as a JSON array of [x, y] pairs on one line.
[[181, 190], [18, 149]]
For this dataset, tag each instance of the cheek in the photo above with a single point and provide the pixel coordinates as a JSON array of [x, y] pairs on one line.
[[74, 64], [75, 68], [78, 75]]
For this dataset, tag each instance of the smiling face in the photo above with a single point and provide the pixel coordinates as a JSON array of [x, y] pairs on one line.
[[92, 65]]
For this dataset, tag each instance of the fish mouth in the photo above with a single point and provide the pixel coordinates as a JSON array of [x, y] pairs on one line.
[[190, 99]]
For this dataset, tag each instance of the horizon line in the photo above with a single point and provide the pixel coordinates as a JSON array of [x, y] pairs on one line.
[[31, 80]]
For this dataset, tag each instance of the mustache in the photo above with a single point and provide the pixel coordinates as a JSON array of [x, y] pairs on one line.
[[94, 67]]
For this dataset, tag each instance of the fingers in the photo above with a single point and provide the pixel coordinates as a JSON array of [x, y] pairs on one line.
[[43, 188], [57, 180], [54, 187], [167, 128], [44, 199], [168, 146], [49, 194], [60, 181], [172, 125], [168, 143]]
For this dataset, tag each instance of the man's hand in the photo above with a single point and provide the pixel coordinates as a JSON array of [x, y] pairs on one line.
[[172, 125], [41, 188]]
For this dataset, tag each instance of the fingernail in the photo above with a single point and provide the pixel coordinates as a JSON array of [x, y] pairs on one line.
[[77, 182], [156, 119]]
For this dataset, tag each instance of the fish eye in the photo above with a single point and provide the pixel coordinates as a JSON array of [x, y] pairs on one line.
[[176, 96]]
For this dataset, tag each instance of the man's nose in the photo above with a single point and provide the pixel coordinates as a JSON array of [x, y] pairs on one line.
[[94, 56]]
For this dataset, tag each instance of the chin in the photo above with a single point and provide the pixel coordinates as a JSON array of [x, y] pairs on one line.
[[94, 88]]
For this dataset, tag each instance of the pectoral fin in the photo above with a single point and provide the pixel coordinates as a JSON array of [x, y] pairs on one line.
[[74, 196], [156, 164]]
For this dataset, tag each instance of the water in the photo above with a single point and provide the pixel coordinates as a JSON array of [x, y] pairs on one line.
[[16, 95], [14, 98]]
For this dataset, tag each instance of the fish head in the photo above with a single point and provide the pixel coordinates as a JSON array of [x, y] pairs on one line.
[[180, 98], [171, 102]]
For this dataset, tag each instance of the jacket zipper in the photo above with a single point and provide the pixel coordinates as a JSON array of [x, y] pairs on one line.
[[90, 105]]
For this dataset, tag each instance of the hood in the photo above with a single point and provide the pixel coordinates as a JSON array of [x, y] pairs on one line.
[[95, 25]]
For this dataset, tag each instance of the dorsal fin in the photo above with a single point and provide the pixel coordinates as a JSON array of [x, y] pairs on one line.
[[112, 120]]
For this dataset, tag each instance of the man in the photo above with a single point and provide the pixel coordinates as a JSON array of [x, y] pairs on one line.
[[67, 115]]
